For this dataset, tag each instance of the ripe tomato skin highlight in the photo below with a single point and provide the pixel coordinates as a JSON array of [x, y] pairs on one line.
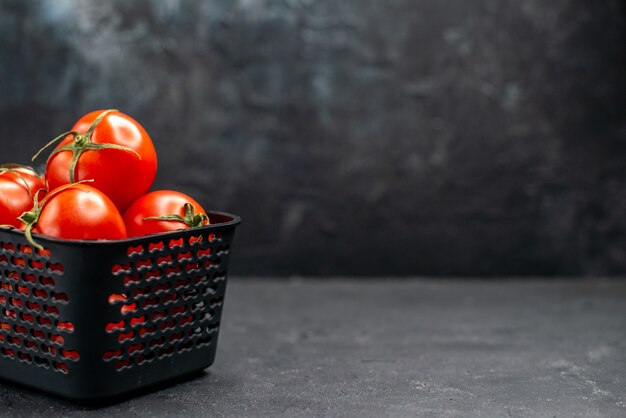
[[80, 212], [15, 197], [158, 203], [119, 174]]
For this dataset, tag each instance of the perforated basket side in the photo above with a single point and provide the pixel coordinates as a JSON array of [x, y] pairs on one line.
[[122, 315], [33, 324], [169, 298]]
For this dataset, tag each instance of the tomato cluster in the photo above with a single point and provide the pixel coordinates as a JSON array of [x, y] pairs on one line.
[[95, 186]]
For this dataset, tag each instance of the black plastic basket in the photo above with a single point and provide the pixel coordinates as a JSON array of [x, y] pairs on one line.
[[91, 320]]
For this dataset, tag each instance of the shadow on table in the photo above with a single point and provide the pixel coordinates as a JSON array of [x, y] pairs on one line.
[[14, 394]]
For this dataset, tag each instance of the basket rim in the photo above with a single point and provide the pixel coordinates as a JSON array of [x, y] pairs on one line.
[[235, 220]]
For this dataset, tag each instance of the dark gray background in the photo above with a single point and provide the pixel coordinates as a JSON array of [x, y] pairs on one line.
[[361, 137]]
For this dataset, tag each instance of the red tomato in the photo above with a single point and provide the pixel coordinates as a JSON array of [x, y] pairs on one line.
[[110, 148], [174, 211], [77, 211], [18, 184]]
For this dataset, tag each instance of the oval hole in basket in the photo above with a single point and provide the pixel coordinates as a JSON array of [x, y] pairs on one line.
[[157, 342], [44, 322], [176, 336], [173, 270], [14, 340], [131, 307], [23, 290], [35, 307], [17, 303], [152, 275], [131, 279], [30, 278], [40, 293], [156, 246], [185, 320], [185, 346], [6, 287], [47, 349], [134, 348], [115, 298], [195, 239], [8, 246], [36, 264], [157, 316], [177, 310], [123, 364], [200, 279], [161, 288], [31, 345], [143, 264], [17, 261], [134, 250], [147, 331], [125, 336], [141, 358], [3, 300], [39, 361], [4, 326], [26, 249], [21, 330], [12, 275], [171, 298], [168, 325], [111, 354], [204, 252], [56, 267], [61, 367], [138, 321], [188, 294], [25, 357], [60, 297], [184, 256], [181, 283], [197, 306], [114, 326], [47, 281], [65, 326], [149, 303], [52, 310], [164, 259], [142, 291], [27, 317], [191, 267], [194, 332], [70, 354], [38, 334], [44, 252], [166, 351], [57, 339], [176, 243], [8, 352], [120, 268], [4, 259], [10, 314]]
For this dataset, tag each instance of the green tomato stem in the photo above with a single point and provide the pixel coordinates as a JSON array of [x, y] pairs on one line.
[[191, 219], [82, 143]]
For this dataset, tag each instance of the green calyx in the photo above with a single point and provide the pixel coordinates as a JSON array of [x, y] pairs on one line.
[[30, 218], [191, 218], [82, 143]]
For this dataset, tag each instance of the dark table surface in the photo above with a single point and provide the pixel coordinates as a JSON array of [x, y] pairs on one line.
[[342, 347]]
